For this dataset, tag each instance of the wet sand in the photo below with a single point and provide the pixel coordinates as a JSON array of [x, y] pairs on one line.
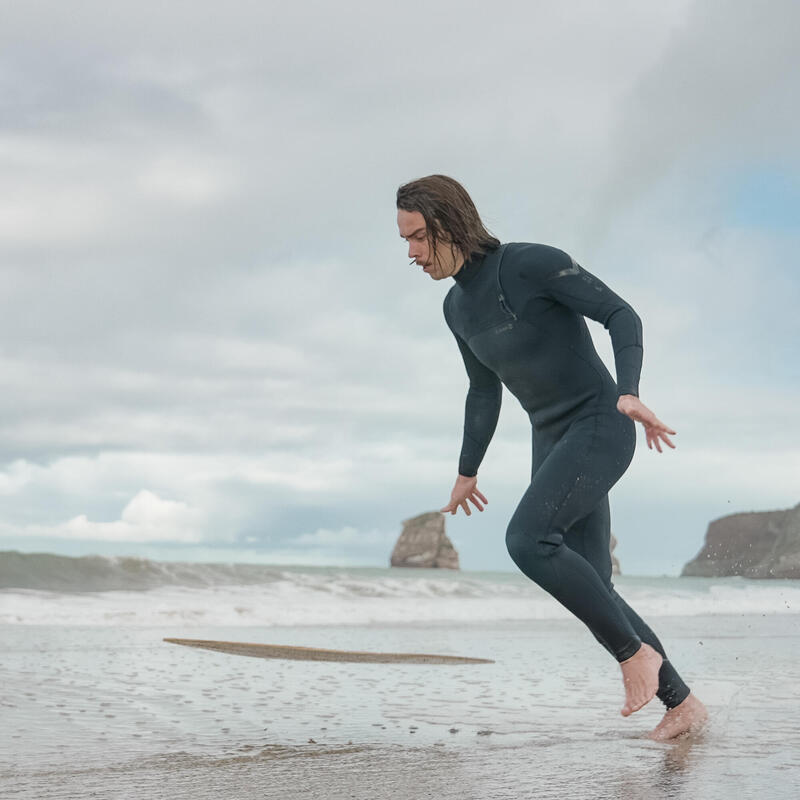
[[115, 712]]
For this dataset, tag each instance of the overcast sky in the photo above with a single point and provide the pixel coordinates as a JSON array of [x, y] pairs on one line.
[[212, 344]]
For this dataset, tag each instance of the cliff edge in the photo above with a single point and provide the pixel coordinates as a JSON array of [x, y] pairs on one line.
[[757, 544]]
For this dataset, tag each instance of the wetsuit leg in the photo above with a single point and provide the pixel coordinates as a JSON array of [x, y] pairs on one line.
[[590, 537], [567, 485]]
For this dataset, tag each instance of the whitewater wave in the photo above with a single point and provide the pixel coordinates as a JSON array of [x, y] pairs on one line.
[[58, 590], [104, 573]]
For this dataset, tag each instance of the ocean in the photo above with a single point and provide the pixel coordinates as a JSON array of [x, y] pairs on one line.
[[94, 704]]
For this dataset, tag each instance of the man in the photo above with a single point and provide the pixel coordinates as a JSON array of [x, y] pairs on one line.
[[517, 313]]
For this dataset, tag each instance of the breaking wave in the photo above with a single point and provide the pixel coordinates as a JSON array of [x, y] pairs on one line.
[[40, 588]]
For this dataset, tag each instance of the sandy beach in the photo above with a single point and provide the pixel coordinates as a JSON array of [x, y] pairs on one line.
[[115, 712], [94, 704]]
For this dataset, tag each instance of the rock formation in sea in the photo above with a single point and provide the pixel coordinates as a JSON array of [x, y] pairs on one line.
[[423, 543], [615, 570], [758, 544]]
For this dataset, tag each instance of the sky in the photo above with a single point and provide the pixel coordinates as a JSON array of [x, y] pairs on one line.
[[213, 347]]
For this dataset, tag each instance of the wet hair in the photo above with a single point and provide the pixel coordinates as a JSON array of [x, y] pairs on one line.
[[449, 213]]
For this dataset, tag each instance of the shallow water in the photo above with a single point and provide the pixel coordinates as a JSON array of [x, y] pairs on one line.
[[100, 711]]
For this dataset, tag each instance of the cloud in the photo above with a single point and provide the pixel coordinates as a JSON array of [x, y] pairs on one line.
[[146, 518], [714, 100], [17, 475], [186, 182], [204, 292], [346, 537]]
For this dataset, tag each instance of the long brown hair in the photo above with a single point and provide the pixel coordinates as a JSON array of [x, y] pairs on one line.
[[449, 213]]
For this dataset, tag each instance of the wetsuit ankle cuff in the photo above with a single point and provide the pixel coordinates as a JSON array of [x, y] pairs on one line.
[[630, 649]]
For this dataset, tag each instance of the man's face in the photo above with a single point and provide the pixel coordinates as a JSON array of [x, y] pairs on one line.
[[440, 262]]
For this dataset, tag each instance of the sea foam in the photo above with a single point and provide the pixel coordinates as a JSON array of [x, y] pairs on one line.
[[108, 591]]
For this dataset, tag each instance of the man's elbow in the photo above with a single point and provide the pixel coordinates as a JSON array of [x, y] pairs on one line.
[[624, 316]]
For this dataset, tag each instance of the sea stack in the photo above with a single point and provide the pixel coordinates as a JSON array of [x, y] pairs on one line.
[[757, 544], [615, 570], [423, 543]]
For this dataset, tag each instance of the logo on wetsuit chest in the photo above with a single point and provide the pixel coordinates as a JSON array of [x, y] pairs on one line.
[[503, 328]]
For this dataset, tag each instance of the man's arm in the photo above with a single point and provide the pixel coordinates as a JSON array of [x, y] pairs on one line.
[[574, 287], [481, 410], [562, 279]]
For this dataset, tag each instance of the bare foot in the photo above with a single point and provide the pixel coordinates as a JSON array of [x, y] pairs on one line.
[[687, 717], [640, 676]]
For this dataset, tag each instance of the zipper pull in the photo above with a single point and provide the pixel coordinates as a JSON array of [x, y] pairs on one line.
[[505, 307]]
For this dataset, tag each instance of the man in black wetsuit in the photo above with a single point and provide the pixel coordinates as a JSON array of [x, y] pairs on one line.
[[517, 312]]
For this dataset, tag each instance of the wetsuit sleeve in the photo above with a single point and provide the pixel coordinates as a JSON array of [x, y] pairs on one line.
[[481, 410], [571, 285]]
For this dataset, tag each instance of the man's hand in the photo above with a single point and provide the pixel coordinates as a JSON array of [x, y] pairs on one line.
[[465, 489], [655, 430]]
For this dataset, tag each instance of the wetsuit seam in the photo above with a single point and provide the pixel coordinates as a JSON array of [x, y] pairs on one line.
[[565, 498], [574, 485], [628, 347]]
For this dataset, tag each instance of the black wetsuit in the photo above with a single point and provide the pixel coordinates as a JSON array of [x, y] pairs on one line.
[[518, 316]]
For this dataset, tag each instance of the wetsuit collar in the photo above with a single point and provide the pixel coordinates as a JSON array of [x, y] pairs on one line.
[[470, 269]]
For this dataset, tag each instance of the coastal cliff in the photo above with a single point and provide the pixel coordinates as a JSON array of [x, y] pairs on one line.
[[758, 544]]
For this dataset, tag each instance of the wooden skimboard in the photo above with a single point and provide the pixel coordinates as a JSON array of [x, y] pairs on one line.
[[319, 654]]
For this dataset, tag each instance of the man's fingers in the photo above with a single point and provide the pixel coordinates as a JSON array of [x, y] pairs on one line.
[[475, 498], [662, 428], [476, 503], [656, 436]]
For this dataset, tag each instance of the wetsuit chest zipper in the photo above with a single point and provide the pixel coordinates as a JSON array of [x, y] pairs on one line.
[[506, 308], [500, 296]]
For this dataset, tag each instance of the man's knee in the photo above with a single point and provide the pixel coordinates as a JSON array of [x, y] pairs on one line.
[[525, 546]]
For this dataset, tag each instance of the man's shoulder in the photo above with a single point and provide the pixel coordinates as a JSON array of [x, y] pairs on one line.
[[534, 252], [446, 302], [532, 259]]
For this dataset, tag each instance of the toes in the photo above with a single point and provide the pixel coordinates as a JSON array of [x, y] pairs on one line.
[[630, 706], [634, 704]]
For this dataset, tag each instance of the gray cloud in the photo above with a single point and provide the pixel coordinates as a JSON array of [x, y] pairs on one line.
[[716, 99], [205, 297]]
